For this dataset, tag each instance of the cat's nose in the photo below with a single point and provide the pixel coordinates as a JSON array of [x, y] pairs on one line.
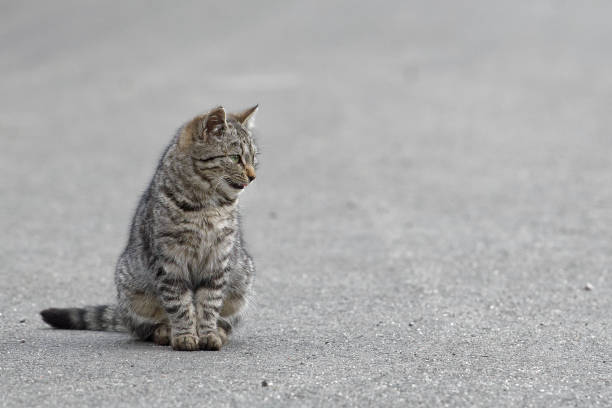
[[250, 171]]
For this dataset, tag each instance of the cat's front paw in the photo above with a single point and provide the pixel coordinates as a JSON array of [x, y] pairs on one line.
[[185, 342], [210, 341]]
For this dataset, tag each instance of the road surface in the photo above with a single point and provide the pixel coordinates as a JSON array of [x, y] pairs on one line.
[[432, 220]]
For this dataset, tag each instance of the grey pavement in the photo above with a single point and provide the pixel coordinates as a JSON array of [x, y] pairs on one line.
[[432, 220]]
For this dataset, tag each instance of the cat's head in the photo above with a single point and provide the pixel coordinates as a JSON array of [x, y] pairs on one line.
[[221, 149]]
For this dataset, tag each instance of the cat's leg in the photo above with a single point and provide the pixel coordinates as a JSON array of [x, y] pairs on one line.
[[224, 329], [150, 320], [208, 301], [140, 326], [144, 316], [230, 314], [237, 293], [225, 326], [147, 329], [176, 299]]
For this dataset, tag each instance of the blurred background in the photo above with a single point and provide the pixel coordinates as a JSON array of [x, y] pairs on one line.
[[431, 219]]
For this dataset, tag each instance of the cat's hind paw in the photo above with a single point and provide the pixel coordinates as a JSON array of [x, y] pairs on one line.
[[161, 335], [223, 335]]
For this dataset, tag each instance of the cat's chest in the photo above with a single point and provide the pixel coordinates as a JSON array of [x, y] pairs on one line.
[[216, 235]]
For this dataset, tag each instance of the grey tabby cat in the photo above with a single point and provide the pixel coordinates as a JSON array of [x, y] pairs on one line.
[[185, 276]]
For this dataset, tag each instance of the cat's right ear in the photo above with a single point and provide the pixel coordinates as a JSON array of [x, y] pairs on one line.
[[247, 117]]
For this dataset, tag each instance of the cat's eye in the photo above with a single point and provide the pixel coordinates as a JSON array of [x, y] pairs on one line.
[[235, 158]]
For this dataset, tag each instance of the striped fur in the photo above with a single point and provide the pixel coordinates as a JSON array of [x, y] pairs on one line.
[[184, 277], [101, 317]]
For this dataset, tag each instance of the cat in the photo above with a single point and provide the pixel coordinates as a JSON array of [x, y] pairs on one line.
[[185, 276]]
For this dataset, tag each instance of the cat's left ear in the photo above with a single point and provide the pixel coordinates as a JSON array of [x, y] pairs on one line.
[[215, 122], [247, 117], [202, 127]]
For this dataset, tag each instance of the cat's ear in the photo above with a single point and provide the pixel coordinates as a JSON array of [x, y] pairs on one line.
[[247, 117], [215, 122], [201, 127]]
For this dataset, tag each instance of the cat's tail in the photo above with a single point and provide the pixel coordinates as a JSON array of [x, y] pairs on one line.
[[103, 318]]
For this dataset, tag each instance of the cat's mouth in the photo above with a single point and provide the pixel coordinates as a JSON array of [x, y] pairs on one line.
[[237, 186]]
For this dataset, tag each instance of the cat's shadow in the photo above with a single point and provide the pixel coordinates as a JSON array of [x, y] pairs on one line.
[[122, 341]]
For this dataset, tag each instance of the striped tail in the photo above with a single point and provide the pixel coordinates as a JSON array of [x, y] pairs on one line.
[[103, 318]]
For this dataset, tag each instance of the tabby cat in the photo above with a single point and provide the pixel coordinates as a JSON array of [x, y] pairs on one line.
[[184, 277]]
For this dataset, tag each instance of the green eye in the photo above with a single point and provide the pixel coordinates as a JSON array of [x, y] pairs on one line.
[[235, 158]]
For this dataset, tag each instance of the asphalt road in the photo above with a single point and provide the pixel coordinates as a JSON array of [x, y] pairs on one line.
[[432, 220]]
